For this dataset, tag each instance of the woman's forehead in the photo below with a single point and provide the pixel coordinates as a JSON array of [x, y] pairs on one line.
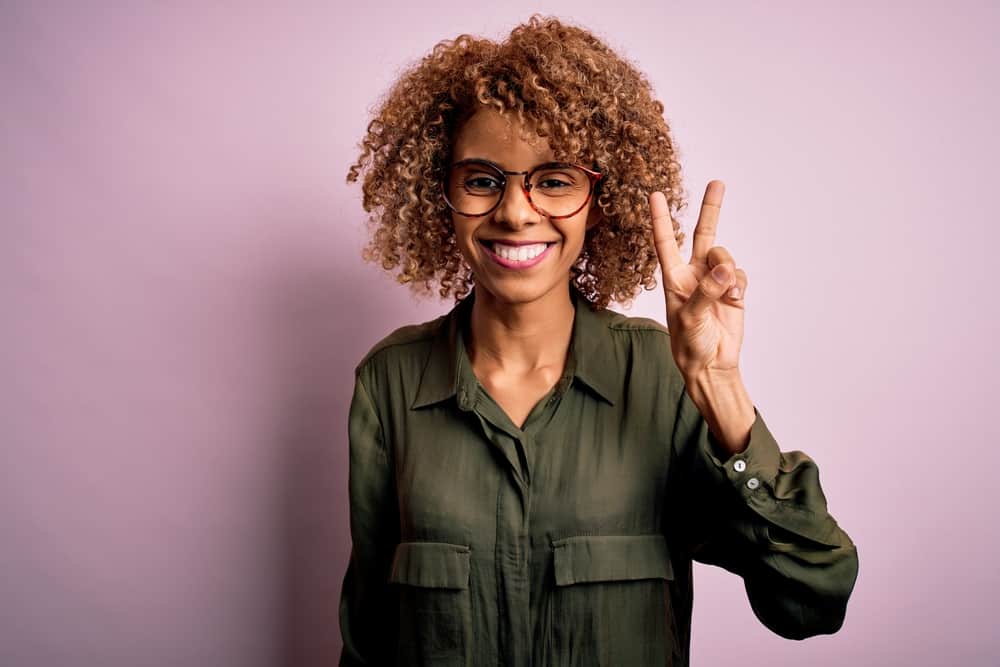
[[503, 134]]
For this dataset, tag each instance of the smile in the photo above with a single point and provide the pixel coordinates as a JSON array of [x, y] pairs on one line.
[[517, 257]]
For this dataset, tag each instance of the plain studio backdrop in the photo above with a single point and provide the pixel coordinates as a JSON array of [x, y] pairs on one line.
[[184, 303]]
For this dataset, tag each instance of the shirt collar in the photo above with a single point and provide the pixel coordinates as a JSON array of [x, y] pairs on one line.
[[448, 371]]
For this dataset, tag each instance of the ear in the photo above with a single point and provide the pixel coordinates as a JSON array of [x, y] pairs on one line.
[[594, 216]]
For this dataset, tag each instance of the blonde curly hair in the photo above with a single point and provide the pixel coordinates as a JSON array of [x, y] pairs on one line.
[[593, 106]]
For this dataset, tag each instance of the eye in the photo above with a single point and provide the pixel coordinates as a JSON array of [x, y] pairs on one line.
[[552, 183], [482, 183], [558, 182]]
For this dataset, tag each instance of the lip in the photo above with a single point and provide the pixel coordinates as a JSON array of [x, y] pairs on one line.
[[517, 266], [514, 243]]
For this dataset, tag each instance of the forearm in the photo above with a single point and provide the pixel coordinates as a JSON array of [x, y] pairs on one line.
[[771, 525], [724, 402]]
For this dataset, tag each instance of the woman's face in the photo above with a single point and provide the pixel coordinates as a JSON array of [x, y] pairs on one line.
[[488, 135]]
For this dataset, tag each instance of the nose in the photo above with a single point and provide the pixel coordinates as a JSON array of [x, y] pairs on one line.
[[515, 209]]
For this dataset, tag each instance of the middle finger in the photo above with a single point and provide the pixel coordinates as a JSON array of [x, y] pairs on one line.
[[708, 220]]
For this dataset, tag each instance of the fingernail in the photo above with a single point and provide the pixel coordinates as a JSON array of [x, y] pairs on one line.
[[734, 293], [719, 273]]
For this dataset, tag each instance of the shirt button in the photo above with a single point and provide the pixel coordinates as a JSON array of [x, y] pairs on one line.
[[740, 465], [753, 483]]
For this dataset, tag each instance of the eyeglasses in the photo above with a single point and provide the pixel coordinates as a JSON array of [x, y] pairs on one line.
[[475, 187]]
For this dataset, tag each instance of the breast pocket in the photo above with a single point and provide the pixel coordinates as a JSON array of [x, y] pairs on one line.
[[611, 603], [434, 607]]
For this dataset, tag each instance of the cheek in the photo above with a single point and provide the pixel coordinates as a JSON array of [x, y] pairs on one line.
[[463, 238], [574, 232]]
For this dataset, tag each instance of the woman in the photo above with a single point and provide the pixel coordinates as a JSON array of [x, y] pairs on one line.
[[532, 474]]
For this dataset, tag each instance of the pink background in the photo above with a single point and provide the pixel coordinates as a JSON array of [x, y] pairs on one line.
[[184, 303]]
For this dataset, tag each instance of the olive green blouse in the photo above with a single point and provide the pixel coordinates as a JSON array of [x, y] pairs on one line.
[[568, 541]]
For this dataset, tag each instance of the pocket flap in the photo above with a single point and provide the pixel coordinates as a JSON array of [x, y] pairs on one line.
[[611, 557], [431, 565]]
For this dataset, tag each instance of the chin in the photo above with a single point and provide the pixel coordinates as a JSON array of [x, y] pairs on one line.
[[520, 291]]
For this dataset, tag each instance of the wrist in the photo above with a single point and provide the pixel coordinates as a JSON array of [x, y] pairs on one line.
[[724, 402]]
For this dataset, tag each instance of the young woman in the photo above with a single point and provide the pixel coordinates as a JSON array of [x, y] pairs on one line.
[[532, 474]]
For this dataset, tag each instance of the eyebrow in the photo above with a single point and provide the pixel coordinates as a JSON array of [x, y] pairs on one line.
[[503, 169]]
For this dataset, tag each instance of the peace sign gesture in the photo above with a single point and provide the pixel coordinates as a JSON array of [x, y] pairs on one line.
[[704, 311]]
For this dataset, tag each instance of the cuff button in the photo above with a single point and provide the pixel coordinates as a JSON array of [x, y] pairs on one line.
[[740, 465], [753, 483]]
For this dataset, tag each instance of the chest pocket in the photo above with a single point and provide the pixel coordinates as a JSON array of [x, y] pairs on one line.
[[611, 604], [434, 603]]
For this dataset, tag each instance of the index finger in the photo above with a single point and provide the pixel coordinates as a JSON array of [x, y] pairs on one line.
[[663, 233], [708, 220]]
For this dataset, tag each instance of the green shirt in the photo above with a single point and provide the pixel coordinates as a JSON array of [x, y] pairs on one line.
[[568, 541]]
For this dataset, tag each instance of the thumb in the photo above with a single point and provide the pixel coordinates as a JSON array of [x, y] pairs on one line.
[[710, 289]]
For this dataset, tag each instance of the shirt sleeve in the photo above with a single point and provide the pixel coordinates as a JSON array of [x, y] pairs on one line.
[[367, 612], [762, 514]]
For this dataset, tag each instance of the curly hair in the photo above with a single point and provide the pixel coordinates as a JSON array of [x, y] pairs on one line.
[[591, 104]]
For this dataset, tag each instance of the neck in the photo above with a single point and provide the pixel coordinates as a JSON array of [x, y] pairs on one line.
[[521, 337]]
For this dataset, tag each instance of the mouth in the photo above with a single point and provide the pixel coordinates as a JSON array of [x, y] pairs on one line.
[[517, 257]]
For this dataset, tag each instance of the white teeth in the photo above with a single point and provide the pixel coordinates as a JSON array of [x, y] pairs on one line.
[[519, 253]]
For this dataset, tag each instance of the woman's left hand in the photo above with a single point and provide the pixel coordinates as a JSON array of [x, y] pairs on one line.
[[704, 315]]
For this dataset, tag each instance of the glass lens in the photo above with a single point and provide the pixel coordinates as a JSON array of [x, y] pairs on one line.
[[474, 187], [559, 189]]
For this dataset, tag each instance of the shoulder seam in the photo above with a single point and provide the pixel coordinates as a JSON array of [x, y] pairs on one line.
[[380, 347], [633, 326]]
